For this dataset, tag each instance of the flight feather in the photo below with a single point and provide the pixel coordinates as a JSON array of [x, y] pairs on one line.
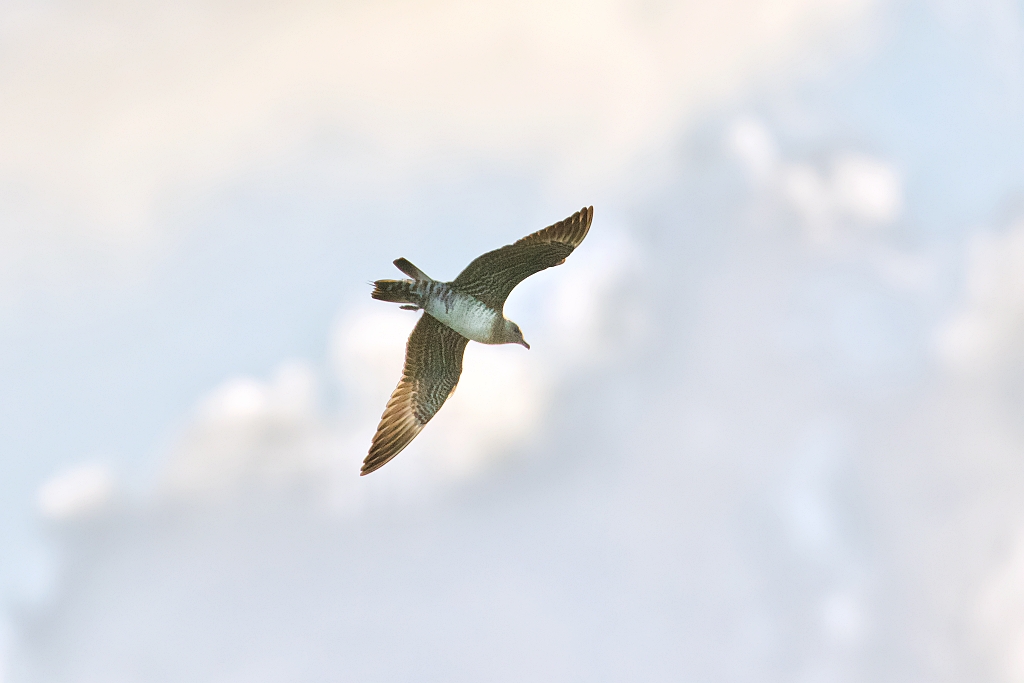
[[492, 276], [433, 364]]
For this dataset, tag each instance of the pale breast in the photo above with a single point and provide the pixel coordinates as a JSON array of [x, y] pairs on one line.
[[463, 313]]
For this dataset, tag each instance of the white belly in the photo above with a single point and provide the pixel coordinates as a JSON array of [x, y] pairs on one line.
[[464, 314]]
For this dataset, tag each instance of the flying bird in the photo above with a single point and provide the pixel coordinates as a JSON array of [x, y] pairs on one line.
[[469, 307]]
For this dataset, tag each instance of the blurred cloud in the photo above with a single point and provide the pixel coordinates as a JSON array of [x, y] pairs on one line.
[[999, 616], [250, 432], [756, 148], [111, 115], [856, 186], [769, 427], [852, 188], [985, 334], [76, 491]]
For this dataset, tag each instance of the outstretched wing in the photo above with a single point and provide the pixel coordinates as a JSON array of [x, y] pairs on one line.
[[492, 276], [433, 363]]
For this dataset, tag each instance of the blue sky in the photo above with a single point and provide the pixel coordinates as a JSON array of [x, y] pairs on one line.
[[769, 426]]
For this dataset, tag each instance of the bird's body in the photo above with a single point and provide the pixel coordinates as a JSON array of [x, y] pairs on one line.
[[466, 314], [462, 312], [469, 307]]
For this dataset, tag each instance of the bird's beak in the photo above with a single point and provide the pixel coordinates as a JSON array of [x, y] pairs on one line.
[[523, 342]]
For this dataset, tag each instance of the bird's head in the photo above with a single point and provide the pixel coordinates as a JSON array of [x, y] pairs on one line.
[[513, 335]]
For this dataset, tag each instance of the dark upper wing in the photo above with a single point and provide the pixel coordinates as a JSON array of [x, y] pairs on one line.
[[433, 363], [492, 276]]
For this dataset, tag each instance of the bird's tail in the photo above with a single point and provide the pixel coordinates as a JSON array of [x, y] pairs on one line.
[[411, 292], [404, 265]]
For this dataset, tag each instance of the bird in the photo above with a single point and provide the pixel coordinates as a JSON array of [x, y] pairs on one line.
[[470, 307]]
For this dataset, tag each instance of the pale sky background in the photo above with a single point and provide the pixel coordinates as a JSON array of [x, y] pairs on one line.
[[770, 427]]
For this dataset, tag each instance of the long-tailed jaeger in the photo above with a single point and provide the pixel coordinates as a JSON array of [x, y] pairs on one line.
[[469, 307]]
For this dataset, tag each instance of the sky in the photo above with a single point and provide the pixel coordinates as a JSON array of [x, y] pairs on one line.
[[769, 427]]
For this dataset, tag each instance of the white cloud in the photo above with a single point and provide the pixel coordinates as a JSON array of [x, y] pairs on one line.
[[585, 311], [843, 617], [367, 350], [108, 112], [867, 188], [292, 391], [998, 618], [987, 330], [249, 432], [76, 492], [753, 143], [849, 194], [842, 202], [810, 195]]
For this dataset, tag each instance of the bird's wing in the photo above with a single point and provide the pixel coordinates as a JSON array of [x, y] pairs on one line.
[[492, 276], [433, 363]]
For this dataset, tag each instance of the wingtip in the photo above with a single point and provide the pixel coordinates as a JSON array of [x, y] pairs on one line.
[[587, 214], [570, 231], [368, 466], [578, 225]]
